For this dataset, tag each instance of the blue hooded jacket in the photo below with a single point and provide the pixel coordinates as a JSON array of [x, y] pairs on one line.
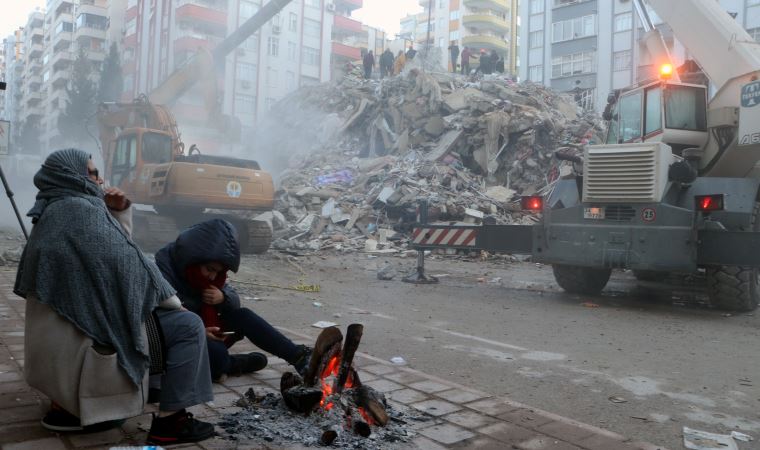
[[213, 240]]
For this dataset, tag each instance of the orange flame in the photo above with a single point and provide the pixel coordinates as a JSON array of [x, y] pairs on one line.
[[367, 417]]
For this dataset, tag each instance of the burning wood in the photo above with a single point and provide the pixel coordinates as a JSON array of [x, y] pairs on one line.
[[361, 406], [353, 338]]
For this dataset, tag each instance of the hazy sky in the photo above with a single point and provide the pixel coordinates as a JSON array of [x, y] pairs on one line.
[[383, 14], [14, 14], [386, 14]]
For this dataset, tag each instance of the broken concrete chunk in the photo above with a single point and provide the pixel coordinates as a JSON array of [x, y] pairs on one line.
[[435, 126]]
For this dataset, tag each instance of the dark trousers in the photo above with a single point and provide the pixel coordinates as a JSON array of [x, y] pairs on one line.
[[258, 331], [367, 72], [465, 68]]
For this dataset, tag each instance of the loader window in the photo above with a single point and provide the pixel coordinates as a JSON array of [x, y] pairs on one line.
[[124, 159], [685, 108], [630, 117], [156, 148], [653, 119], [612, 127]]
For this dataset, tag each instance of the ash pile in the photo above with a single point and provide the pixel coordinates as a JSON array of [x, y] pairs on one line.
[[361, 154]]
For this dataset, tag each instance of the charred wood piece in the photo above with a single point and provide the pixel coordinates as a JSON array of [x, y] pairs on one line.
[[373, 403], [351, 344], [297, 397], [328, 338], [328, 437], [357, 423]]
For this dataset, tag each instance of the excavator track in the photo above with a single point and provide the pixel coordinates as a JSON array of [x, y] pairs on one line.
[[259, 237], [152, 231]]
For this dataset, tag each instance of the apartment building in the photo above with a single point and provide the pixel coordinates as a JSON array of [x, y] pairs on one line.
[[31, 93], [477, 24], [13, 52], [590, 47], [347, 34], [291, 50]]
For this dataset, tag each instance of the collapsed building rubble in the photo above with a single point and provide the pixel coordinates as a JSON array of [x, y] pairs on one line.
[[355, 175]]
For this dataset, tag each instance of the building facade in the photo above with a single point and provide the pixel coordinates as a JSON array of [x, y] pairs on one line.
[[13, 52], [478, 24], [591, 47]]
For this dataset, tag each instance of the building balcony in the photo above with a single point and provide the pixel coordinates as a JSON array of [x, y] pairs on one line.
[[96, 55], [33, 98], [61, 60], [346, 51], [494, 5], [33, 112], [34, 81], [486, 41], [95, 10], [36, 31], [198, 13], [60, 78], [131, 13], [347, 26], [349, 5], [90, 32], [35, 50], [131, 40], [487, 22], [191, 43]]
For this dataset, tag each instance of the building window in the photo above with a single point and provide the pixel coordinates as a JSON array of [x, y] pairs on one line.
[[454, 15], [623, 22], [753, 2], [270, 103], [621, 60], [536, 6], [252, 43], [536, 39], [291, 80], [292, 51], [245, 72], [272, 76], [247, 9], [755, 33], [64, 26], [536, 73], [311, 28], [273, 46], [576, 28], [245, 104], [130, 27], [575, 64], [313, 3], [92, 21], [454, 35], [310, 56], [45, 76], [293, 22]]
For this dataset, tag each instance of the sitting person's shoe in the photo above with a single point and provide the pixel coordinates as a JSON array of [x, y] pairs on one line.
[[301, 363], [247, 363], [62, 421], [179, 428]]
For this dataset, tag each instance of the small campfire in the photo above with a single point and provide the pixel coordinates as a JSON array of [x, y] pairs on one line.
[[327, 406], [331, 381]]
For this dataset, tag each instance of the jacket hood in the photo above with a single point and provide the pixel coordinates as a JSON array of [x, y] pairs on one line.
[[213, 240]]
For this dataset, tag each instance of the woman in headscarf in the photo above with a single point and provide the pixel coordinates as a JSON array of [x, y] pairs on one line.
[[92, 300], [400, 62], [196, 264]]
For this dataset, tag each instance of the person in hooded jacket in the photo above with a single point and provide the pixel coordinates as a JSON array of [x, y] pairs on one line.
[[196, 265]]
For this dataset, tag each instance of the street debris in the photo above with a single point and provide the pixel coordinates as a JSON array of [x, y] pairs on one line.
[[470, 148], [741, 436], [323, 324], [398, 360], [589, 305], [616, 399], [703, 440]]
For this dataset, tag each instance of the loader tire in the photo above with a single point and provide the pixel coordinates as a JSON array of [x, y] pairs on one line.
[[735, 288], [650, 275], [581, 280], [259, 237]]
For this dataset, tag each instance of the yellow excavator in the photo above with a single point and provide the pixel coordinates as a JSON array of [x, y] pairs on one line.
[[144, 155]]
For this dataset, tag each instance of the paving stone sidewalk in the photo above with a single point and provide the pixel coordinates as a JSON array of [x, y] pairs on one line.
[[461, 417]]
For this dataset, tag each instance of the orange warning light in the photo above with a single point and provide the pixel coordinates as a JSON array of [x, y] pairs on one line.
[[666, 71]]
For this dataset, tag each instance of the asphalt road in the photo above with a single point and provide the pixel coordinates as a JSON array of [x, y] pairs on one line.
[[640, 360]]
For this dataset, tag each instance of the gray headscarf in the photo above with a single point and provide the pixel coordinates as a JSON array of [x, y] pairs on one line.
[[81, 263]]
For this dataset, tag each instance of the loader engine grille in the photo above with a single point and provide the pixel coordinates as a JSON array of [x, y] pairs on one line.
[[625, 173], [619, 213]]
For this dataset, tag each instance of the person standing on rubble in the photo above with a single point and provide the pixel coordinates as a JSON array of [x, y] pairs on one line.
[[454, 52], [369, 64], [497, 62], [485, 66], [466, 53], [411, 53], [386, 63], [99, 315], [398, 65], [196, 264]]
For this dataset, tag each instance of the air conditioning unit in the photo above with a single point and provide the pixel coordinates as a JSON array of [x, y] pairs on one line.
[[330, 7], [275, 29]]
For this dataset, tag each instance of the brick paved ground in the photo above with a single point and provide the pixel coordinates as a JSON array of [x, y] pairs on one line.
[[461, 417]]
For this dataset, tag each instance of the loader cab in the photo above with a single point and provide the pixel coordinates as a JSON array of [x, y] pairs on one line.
[[132, 151], [669, 112]]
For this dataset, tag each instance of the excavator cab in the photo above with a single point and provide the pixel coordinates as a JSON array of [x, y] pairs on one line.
[[669, 112], [132, 150]]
